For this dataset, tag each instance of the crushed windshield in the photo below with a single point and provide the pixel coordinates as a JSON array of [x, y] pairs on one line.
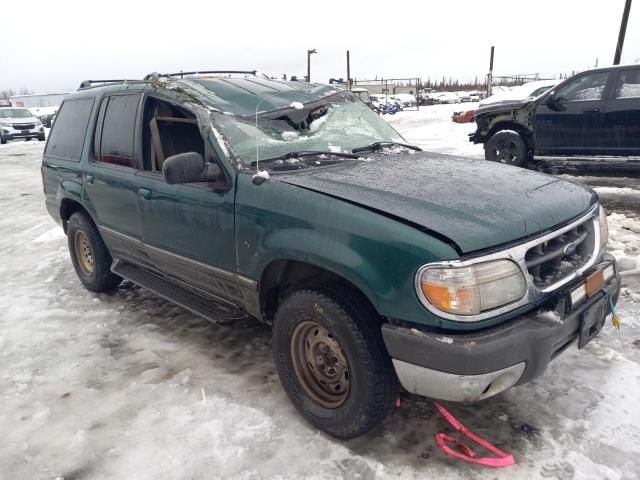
[[15, 113], [336, 124]]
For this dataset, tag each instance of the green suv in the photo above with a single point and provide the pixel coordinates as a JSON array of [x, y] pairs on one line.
[[378, 266]]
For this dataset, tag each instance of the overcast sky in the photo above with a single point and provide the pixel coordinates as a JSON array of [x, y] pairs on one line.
[[53, 45]]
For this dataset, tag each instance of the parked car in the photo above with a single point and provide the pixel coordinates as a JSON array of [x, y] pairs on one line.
[[375, 264], [463, 96], [17, 122], [446, 97], [593, 114], [44, 114], [476, 96], [463, 116], [406, 100]]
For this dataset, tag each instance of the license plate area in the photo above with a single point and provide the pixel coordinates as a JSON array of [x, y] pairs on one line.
[[592, 321]]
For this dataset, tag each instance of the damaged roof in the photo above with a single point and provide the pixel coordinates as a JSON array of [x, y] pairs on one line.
[[243, 96]]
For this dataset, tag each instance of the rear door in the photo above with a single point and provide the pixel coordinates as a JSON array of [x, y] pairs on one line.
[[109, 185], [623, 113], [570, 121]]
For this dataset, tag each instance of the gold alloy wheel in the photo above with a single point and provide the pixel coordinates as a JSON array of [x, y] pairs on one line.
[[84, 254], [320, 364]]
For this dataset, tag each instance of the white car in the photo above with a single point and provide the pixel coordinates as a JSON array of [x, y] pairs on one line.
[[522, 92], [17, 122], [406, 99], [447, 97]]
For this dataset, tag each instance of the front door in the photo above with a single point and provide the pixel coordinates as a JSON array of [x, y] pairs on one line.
[[187, 230], [109, 187], [570, 121], [623, 113]]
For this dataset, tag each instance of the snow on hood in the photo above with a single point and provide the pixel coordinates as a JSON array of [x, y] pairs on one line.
[[474, 203]]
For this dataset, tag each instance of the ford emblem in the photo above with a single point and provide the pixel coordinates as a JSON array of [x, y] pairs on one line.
[[569, 249]]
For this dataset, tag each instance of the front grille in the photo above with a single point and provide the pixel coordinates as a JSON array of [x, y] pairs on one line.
[[23, 126], [551, 261]]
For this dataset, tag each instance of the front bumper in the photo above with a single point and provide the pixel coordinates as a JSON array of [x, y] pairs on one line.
[[11, 133], [468, 367]]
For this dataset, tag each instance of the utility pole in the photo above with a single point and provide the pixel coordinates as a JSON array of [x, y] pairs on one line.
[[348, 72], [623, 31], [309, 53], [490, 75]]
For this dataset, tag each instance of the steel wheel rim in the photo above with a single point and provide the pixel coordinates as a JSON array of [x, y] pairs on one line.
[[506, 152], [320, 364], [84, 253]]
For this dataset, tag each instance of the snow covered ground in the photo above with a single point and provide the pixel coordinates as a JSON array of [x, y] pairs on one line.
[[128, 386]]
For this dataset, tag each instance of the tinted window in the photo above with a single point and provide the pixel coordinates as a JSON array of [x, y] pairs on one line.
[[67, 136], [116, 141], [587, 87], [628, 84]]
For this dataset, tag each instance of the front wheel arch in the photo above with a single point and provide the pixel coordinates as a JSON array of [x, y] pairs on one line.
[[280, 277]]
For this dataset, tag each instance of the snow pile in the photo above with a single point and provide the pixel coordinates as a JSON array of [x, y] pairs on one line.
[[624, 241], [297, 105]]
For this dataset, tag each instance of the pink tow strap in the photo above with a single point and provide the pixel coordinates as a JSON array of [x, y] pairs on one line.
[[503, 459]]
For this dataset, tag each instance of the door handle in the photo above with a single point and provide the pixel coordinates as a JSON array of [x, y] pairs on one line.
[[144, 193], [89, 178], [591, 110]]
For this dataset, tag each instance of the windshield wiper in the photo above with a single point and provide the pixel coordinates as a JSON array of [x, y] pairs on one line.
[[305, 153], [379, 145]]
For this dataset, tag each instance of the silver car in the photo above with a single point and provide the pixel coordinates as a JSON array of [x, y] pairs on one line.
[[17, 122]]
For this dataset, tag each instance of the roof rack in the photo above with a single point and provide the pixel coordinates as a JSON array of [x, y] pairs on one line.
[[90, 83], [182, 74]]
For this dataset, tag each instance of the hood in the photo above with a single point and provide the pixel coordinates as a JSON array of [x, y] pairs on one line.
[[474, 203], [502, 105], [11, 120]]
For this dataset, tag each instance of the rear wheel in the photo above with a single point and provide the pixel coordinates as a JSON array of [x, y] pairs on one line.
[[2, 140], [89, 254], [41, 137], [332, 361], [506, 146]]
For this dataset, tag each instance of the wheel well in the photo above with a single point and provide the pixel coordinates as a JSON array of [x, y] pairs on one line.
[[67, 208], [283, 276], [516, 127]]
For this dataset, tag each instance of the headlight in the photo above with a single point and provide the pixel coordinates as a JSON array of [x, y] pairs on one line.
[[4, 124], [604, 227], [473, 289]]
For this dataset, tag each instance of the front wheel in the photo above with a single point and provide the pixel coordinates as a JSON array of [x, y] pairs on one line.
[[332, 361], [41, 138], [506, 146]]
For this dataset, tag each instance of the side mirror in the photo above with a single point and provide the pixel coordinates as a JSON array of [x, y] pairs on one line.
[[186, 167]]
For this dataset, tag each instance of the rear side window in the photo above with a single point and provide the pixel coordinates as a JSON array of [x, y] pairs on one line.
[[114, 135], [628, 84], [68, 132]]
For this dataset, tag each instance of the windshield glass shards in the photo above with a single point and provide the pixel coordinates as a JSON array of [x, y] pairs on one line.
[[336, 124]]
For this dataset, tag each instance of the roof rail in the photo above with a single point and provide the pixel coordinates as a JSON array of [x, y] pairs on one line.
[[182, 74], [90, 83]]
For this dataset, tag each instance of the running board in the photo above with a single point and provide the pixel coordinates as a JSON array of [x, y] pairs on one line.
[[214, 311], [609, 160], [585, 164]]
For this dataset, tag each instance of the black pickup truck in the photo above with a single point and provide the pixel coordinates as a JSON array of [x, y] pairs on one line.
[[592, 115]]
